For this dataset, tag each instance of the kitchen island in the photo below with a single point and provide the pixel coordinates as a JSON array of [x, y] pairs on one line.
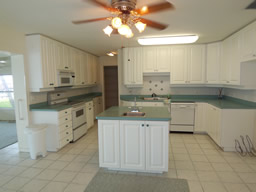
[[134, 143]]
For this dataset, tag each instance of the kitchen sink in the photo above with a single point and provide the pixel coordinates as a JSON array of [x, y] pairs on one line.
[[134, 114], [154, 98]]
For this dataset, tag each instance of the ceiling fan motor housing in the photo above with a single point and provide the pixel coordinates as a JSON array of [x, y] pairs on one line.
[[124, 5]]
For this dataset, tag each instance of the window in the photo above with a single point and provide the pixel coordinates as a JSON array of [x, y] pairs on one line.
[[6, 91]]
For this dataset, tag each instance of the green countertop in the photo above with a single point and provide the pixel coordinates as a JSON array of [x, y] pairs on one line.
[[45, 107], [152, 114], [225, 103]]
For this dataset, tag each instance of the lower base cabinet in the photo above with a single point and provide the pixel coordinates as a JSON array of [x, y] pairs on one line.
[[134, 145]]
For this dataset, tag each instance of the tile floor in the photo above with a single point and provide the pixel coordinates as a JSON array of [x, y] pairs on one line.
[[192, 157]]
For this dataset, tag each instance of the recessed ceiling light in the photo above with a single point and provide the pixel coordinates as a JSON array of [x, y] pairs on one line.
[[168, 40], [2, 61]]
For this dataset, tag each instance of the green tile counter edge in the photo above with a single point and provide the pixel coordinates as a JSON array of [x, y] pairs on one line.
[[225, 103], [45, 107], [152, 114]]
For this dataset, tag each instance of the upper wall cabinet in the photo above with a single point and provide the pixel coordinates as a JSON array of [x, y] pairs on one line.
[[213, 63], [188, 64], [46, 57], [248, 43], [132, 67], [156, 59], [42, 63]]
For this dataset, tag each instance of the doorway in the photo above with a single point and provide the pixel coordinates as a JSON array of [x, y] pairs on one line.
[[13, 101], [8, 132], [111, 86]]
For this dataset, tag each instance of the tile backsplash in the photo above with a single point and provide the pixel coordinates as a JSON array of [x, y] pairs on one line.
[[161, 86]]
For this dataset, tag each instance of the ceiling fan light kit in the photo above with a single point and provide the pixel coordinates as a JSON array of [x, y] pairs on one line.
[[168, 40], [125, 16]]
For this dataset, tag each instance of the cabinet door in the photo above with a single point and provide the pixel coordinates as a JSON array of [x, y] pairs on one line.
[[89, 69], [163, 59], [213, 63], [200, 117], [128, 66], [76, 67], [132, 143], [108, 133], [149, 59], [94, 70], [137, 66], [157, 142], [48, 65], [226, 60], [100, 105], [82, 63], [249, 42], [179, 65], [67, 57], [234, 65], [196, 64]]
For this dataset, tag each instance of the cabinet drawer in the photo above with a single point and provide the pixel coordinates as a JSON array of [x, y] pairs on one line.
[[66, 140], [66, 133], [64, 112], [65, 119], [89, 104], [65, 126]]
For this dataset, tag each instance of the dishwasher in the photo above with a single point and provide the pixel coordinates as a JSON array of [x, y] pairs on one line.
[[183, 117]]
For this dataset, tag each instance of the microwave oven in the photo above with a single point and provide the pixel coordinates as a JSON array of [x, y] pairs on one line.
[[65, 78]]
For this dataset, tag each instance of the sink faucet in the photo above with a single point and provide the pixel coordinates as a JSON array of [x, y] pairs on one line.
[[135, 108]]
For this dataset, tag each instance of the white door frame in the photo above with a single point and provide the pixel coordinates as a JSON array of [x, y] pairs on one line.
[[20, 97]]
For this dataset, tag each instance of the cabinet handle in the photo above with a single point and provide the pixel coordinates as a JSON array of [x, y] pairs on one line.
[[73, 76], [254, 55], [147, 125], [66, 67], [142, 125], [51, 83], [82, 82], [66, 112], [67, 139], [66, 118], [67, 133], [90, 108], [66, 125]]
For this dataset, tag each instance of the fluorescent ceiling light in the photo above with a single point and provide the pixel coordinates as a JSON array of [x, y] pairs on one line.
[[2, 61], [111, 54], [168, 40]]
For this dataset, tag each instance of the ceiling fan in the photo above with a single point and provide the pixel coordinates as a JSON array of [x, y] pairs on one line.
[[125, 15]]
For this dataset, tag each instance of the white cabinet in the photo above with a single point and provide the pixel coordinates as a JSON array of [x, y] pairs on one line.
[[83, 68], [59, 131], [230, 67], [200, 117], [157, 146], [67, 58], [143, 145], [132, 144], [213, 63], [41, 61], [109, 144], [248, 51], [156, 59], [91, 69], [89, 114], [213, 123], [97, 106], [196, 64], [132, 67], [226, 125], [188, 64], [179, 60]]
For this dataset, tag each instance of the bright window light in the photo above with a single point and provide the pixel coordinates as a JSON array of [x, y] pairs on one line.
[[168, 40]]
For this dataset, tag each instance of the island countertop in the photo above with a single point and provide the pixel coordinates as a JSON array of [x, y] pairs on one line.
[[152, 114]]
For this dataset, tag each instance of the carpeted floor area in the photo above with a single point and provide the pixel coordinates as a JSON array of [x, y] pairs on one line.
[[8, 133], [109, 182]]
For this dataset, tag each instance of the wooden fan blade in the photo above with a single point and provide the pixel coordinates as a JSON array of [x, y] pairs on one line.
[[103, 5], [154, 24], [154, 8], [89, 20]]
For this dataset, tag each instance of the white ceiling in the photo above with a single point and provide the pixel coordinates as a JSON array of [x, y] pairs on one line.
[[212, 20]]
